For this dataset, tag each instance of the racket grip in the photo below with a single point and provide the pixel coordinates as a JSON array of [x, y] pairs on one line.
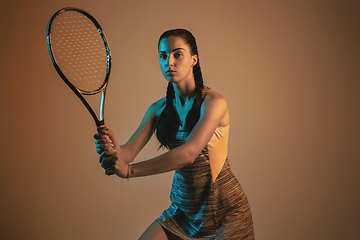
[[100, 128]]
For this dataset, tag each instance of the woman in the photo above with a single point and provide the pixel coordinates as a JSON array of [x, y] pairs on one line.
[[192, 121]]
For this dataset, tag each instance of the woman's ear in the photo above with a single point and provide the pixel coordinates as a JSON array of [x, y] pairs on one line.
[[195, 60]]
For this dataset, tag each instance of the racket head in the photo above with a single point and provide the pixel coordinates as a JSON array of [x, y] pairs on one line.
[[79, 50]]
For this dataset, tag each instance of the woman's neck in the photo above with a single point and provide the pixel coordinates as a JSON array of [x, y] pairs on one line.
[[184, 90]]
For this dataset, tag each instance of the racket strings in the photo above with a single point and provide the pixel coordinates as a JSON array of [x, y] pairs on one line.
[[79, 50]]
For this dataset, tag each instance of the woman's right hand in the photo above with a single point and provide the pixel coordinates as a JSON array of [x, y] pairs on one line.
[[108, 148], [106, 142]]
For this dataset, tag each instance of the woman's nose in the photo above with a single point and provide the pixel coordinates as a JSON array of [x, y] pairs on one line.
[[170, 61]]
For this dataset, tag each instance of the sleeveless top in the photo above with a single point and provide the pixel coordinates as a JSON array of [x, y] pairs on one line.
[[203, 207]]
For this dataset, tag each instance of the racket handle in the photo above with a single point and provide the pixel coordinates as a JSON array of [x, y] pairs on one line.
[[100, 128]]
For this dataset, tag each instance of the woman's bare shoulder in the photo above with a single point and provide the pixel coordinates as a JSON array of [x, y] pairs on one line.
[[158, 106], [213, 95], [216, 103]]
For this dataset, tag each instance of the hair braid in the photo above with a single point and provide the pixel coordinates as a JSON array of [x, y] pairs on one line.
[[194, 114], [199, 82], [169, 119], [170, 94]]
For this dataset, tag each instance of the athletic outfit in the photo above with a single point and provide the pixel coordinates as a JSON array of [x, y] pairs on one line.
[[203, 207]]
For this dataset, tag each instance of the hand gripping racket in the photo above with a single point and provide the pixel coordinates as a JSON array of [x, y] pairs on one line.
[[81, 55]]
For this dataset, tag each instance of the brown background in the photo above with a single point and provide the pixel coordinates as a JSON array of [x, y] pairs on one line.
[[290, 73]]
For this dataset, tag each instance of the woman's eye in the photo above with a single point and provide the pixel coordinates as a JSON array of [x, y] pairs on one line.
[[163, 56], [177, 55]]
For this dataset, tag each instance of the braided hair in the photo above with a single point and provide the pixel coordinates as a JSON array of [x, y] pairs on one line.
[[169, 121]]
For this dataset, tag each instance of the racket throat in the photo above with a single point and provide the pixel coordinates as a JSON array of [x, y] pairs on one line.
[[102, 104]]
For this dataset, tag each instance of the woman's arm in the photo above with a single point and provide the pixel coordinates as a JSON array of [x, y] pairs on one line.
[[144, 132], [137, 141], [213, 111]]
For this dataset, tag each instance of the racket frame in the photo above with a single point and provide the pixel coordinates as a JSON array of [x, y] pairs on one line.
[[79, 92]]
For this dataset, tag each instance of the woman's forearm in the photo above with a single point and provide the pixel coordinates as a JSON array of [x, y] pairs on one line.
[[169, 161], [127, 153]]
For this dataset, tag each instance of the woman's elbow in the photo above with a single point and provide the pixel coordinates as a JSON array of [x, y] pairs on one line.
[[189, 155]]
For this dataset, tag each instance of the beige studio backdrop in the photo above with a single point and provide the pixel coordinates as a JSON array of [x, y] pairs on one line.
[[288, 69]]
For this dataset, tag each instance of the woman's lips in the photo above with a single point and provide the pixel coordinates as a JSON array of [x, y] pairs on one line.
[[170, 72]]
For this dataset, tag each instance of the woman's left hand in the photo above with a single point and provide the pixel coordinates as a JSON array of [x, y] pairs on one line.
[[114, 164]]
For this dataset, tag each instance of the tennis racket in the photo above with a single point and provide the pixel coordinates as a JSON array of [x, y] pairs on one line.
[[80, 54]]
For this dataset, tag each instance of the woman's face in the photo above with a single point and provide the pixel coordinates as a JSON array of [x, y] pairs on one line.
[[176, 61]]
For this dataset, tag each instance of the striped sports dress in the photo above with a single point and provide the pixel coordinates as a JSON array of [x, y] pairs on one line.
[[203, 207]]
